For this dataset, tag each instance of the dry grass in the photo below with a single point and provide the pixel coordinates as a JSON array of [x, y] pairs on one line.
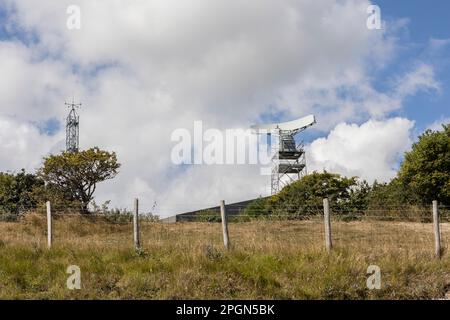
[[269, 260]]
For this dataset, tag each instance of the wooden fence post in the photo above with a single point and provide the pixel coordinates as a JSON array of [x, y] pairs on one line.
[[327, 222], [136, 231], [223, 214], [437, 232], [49, 225]]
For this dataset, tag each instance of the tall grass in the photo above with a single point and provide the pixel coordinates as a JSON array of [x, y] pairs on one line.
[[268, 260]]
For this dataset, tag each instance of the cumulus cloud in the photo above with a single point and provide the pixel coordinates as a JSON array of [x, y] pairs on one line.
[[22, 145], [144, 68], [31, 88], [226, 58], [437, 125], [351, 95], [370, 151], [421, 78]]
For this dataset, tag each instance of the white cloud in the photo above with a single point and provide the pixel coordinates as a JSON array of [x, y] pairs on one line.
[[22, 145], [370, 151], [421, 78], [351, 96], [437, 44], [30, 87], [437, 125], [144, 68]]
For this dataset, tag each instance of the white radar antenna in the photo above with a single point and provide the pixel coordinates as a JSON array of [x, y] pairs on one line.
[[288, 161]]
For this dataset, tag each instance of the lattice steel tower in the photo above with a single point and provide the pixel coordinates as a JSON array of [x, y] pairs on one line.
[[72, 127]]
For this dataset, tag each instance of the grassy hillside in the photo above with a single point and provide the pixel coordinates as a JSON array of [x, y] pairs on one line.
[[269, 260]]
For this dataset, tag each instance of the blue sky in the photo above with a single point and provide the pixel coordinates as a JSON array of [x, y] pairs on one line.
[[143, 69], [425, 23], [427, 20]]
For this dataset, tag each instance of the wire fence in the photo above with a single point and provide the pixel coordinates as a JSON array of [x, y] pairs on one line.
[[393, 229]]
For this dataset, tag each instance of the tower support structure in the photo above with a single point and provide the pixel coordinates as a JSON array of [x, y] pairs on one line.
[[288, 161]]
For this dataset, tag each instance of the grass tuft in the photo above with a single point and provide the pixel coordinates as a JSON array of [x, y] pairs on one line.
[[268, 260]]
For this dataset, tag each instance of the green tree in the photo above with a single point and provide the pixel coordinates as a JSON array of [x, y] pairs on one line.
[[426, 168], [305, 196], [17, 191], [395, 200], [390, 195], [257, 208], [75, 175], [359, 196]]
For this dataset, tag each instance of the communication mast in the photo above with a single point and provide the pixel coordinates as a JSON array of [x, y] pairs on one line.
[[72, 127], [288, 161]]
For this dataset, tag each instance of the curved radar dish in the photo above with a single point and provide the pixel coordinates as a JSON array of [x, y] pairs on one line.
[[295, 125]]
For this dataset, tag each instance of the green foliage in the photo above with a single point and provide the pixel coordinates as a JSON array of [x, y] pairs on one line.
[[359, 196], [305, 196], [17, 191], [349, 197], [61, 201], [426, 168], [392, 194], [75, 175], [257, 208], [269, 260], [394, 200], [208, 216], [118, 215]]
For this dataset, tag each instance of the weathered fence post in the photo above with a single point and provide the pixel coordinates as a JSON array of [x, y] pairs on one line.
[[327, 222], [49, 225], [136, 231], [223, 214], [437, 232]]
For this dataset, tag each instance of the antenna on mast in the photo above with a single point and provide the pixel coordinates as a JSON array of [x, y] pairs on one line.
[[72, 127]]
